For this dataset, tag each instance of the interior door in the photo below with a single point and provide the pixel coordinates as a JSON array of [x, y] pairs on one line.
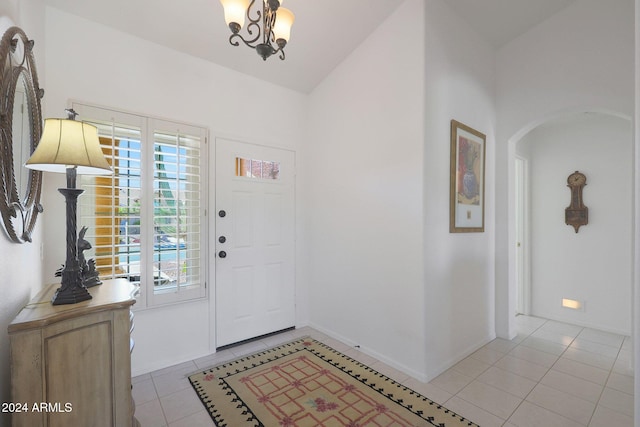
[[255, 246]]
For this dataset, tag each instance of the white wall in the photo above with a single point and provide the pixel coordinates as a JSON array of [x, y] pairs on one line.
[[131, 74], [384, 271], [8, 13], [20, 265], [593, 265], [363, 177], [636, 234], [580, 59], [459, 267]]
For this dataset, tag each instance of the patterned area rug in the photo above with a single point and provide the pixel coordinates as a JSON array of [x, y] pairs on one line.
[[305, 383]]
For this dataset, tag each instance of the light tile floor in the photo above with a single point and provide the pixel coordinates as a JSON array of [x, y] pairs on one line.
[[552, 374]]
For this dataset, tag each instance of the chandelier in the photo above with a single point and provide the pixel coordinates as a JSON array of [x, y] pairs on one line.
[[268, 24]]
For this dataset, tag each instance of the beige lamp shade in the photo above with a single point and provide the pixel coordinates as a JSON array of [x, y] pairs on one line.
[[284, 21], [235, 11], [68, 143]]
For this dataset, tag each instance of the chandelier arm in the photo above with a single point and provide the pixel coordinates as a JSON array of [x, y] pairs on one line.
[[258, 18], [254, 25], [281, 45], [234, 42], [269, 22], [250, 29]]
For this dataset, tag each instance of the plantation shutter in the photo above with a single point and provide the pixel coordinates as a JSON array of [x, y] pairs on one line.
[[146, 220], [110, 205], [178, 228]]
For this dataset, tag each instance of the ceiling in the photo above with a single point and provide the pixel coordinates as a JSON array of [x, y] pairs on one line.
[[500, 21], [320, 38]]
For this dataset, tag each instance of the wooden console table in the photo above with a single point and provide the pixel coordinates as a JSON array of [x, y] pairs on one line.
[[71, 364]]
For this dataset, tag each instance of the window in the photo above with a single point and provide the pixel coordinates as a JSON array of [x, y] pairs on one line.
[[146, 221], [253, 168]]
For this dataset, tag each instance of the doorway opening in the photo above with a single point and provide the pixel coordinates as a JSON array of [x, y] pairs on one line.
[[551, 261]]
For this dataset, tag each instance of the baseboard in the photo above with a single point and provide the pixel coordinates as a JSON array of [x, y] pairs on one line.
[[166, 364], [460, 357], [420, 376], [583, 324]]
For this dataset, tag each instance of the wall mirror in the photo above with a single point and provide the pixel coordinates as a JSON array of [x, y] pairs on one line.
[[20, 130]]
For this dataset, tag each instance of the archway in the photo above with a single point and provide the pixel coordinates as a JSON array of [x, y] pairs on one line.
[[582, 258]]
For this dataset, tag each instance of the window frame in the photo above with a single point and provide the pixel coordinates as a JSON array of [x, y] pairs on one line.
[[149, 126]]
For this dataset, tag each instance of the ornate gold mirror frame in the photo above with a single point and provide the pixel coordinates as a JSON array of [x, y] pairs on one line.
[[20, 131]]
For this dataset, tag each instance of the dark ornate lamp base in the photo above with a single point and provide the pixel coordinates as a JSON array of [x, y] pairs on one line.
[[91, 281], [72, 290], [70, 295]]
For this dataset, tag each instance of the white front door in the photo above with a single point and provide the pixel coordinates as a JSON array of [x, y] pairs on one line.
[[255, 241]]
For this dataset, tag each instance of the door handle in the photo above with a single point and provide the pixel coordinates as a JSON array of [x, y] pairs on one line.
[[222, 214], [222, 254]]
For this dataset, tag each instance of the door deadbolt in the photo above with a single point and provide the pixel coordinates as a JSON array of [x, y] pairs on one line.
[[222, 239], [222, 214]]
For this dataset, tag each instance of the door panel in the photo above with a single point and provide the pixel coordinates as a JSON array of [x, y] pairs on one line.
[[255, 290], [243, 219]]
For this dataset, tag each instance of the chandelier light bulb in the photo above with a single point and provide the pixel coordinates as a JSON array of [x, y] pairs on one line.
[[235, 11], [284, 21]]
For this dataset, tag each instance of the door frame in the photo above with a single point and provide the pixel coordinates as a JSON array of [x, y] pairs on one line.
[[522, 249]]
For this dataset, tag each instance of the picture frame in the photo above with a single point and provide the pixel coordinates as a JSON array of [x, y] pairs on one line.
[[467, 196]]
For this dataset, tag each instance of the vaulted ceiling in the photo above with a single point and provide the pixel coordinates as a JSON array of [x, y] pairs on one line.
[[324, 34]]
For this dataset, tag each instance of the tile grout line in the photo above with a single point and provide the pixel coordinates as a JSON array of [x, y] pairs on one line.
[[493, 365], [606, 382], [549, 370], [545, 374], [537, 382], [604, 386], [164, 415], [610, 370]]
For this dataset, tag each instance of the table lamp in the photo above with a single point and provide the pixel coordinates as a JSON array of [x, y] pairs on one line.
[[71, 147]]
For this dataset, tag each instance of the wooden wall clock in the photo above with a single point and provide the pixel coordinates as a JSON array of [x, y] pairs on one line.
[[577, 213]]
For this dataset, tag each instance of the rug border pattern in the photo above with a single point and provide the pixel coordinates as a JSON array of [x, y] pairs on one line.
[[285, 349]]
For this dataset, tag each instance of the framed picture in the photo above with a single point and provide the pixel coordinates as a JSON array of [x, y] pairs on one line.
[[466, 210]]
